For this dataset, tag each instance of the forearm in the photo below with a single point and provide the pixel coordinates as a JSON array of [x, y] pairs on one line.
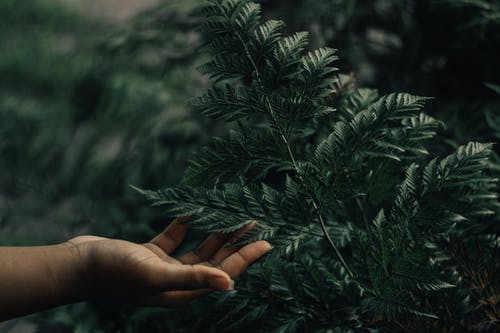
[[37, 278]]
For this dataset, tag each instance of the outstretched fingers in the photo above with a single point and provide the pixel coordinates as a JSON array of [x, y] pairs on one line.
[[206, 249], [217, 244], [234, 265], [238, 262], [212, 266]]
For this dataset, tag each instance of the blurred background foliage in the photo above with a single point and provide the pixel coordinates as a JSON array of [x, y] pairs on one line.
[[90, 104]]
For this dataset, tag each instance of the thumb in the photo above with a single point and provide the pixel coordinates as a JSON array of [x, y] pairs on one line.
[[189, 277]]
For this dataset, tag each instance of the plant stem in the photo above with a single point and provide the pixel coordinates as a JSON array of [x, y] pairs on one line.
[[291, 155]]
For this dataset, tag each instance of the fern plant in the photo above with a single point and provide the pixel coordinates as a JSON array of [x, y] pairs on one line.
[[358, 214]]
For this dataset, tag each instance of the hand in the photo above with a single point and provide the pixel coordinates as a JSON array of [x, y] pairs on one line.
[[146, 274]]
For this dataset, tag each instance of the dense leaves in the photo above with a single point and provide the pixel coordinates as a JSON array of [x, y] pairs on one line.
[[100, 107], [313, 175]]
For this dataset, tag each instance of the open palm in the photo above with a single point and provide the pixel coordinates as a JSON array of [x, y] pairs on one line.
[[146, 274]]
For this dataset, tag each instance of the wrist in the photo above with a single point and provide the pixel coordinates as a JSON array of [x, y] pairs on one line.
[[49, 276], [77, 282]]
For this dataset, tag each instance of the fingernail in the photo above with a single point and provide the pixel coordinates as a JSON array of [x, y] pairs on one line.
[[231, 285], [220, 282]]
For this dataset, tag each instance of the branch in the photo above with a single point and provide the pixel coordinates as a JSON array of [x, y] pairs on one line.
[[290, 152]]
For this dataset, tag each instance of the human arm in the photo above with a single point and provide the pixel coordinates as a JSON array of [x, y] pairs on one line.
[[89, 267]]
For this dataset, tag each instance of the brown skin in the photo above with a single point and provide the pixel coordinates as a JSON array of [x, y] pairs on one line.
[[89, 267]]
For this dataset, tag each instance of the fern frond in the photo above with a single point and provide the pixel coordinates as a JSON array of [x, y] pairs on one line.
[[247, 17], [317, 67], [244, 153], [266, 38], [282, 220], [225, 103], [288, 51], [393, 308], [313, 174], [356, 101]]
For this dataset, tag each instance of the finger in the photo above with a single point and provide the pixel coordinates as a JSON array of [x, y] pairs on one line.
[[228, 247], [206, 250], [188, 277], [175, 298], [172, 236], [213, 244], [237, 234], [236, 263]]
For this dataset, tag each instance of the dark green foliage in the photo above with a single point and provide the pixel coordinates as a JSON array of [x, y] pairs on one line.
[[89, 115], [313, 175]]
